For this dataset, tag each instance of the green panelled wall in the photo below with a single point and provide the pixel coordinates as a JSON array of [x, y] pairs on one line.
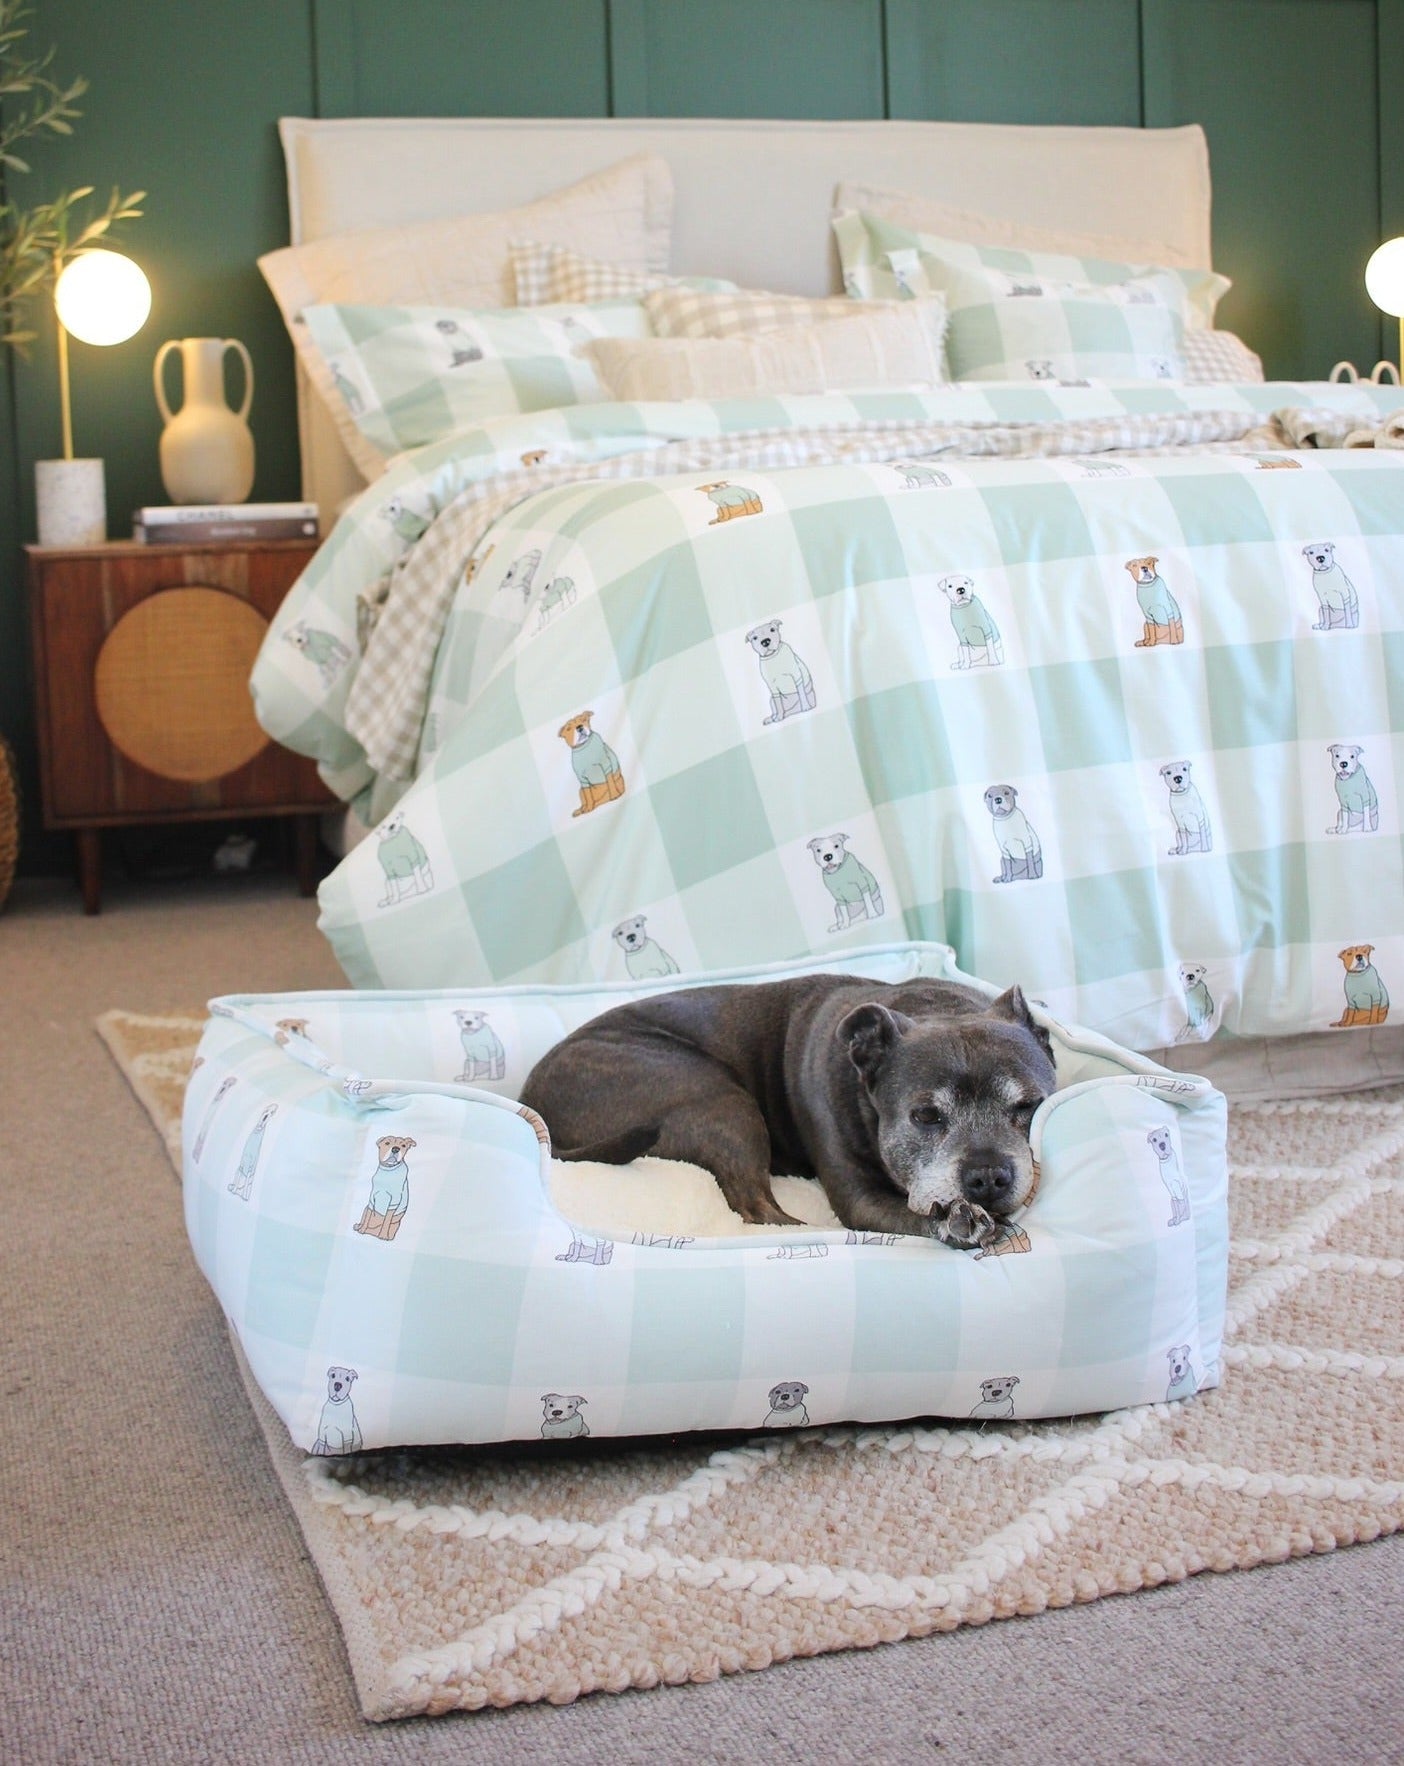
[[1300, 100]]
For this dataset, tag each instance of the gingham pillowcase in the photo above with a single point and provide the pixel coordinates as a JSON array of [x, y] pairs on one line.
[[1219, 357], [687, 312], [1019, 315], [410, 375], [550, 274]]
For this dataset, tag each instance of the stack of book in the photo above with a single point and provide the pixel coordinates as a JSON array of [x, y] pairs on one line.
[[194, 524]]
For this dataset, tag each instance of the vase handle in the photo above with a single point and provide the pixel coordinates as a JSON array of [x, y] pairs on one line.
[[232, 343], [161, 354]]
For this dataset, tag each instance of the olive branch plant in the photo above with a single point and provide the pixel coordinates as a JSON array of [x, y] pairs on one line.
[[36, 243]]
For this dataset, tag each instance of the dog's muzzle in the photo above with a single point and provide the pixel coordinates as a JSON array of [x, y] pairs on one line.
[[989, 1181]]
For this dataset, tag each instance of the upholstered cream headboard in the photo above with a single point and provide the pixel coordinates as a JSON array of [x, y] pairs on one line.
[[753, 199]]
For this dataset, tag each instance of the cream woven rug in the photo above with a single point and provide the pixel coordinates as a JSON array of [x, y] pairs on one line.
[[494, 1577]]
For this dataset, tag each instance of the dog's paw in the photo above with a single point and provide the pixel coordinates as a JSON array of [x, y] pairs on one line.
[[966, 1225]]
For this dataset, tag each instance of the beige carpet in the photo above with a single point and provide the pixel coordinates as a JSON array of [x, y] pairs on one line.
[[492, 1578]]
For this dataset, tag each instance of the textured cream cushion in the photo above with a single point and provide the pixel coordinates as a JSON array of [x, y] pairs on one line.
[[894, 346], [924, 214], [623, 213]]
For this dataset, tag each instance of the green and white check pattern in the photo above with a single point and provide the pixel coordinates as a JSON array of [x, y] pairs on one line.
[[1032, 315], [411, 375], [450, 1301], [637, 603]]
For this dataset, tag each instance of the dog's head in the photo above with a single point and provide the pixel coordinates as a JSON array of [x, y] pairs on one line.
[[339, 1382], [470, 1021], [1319, 554], [952, 1099], [558, 1407], [1158, 1139], [1176, 774], [577, 729], [960, 589], [1356, 957], [1345, 758], [391, 825], [1179, 1359], [393, 1147], [1191, 974], [630, 934], [1001, 800], [1142, 569], [996, 1391], [828, 850], [765, 639], [788, 1395], [1040, 370]]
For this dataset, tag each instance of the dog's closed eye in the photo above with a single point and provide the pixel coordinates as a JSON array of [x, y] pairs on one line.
[[1023, 1114]]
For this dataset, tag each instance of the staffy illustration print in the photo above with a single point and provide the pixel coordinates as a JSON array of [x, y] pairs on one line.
[[337, 1430], [484, 1056], [594, 762], [389, 1193], [852, 885], [403, 860], [787, 681], [978, 643], [1020, 850], [1367, 997], [1338, 605], [1187, 811], [1358, 801]]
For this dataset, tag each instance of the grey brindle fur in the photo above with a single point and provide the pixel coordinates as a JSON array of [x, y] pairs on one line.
[[910, 1102]]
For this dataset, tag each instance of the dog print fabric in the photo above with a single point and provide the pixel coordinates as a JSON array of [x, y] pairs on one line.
[[1058, 712], [398, 1272]]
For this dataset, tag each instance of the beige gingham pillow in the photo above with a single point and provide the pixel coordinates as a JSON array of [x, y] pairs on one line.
[[892, 346], [1218, 356], [547, 275], [686, 312]]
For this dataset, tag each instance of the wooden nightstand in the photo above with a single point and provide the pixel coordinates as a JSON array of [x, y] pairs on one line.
[[141, 665]]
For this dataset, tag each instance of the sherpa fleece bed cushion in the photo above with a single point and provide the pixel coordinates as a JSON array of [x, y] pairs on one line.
[[371, 1206]]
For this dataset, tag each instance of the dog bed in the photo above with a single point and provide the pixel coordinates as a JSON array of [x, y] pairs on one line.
[[373, 1209]]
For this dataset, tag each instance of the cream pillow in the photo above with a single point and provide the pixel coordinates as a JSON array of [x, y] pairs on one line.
[[927, 214], [623, 213], [898, 346]]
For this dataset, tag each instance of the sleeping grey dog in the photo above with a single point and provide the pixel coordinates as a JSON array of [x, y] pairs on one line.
[[910, 1102]]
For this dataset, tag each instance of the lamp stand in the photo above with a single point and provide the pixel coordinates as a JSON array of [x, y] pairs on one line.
[[64, 404]]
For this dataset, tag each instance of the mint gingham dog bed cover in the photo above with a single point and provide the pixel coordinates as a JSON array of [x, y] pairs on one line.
[[435, 1294]]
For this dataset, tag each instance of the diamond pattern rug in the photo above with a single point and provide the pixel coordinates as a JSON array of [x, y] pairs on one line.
[[494, 1577]]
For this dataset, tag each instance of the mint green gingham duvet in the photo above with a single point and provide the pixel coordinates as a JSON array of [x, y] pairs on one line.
[[1122, 726]]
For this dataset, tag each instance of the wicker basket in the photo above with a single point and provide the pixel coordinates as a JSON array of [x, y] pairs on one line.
[[9, 818]]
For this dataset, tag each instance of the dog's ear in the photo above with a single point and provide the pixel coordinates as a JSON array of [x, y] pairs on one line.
[[1012, 1005], [868, 1032]]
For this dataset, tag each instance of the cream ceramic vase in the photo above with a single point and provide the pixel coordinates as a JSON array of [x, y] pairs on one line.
[[207, 452]]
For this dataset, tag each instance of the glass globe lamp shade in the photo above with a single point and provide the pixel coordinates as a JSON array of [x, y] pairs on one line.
[[102, 297]]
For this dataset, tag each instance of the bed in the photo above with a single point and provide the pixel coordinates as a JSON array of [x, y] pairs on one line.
[[676, 632]]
